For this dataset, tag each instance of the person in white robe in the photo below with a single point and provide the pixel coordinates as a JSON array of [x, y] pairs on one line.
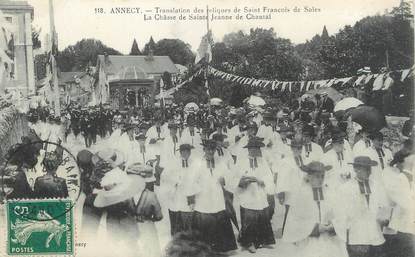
[[178, 181], [256, 192], [398, 181], [338, 154], [210, 217], [314, 218], [364, 200]]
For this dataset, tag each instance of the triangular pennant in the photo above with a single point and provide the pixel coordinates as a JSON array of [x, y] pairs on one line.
[[308, 85], [405, 74], [302, 85], [378, 82]]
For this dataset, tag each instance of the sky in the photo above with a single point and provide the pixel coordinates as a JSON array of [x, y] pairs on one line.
[[77, 19]]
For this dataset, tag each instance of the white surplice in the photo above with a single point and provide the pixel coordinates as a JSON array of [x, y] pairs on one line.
[[178, 182], [360, 216], [303, 215], [254, 196], [209, 196]]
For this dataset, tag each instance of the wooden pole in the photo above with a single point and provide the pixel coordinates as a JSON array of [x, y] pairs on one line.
[[387, 59], [54, 65]]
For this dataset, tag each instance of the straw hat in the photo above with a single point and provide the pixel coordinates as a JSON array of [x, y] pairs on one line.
[[114, 157]]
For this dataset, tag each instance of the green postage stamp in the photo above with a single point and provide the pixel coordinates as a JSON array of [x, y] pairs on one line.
[[40, 227]]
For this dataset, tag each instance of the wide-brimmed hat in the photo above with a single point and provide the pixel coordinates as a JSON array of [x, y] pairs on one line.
[[366, 70], [142, 170], [219, 137], [123, 187], [210, 143], [113, 157], [376, 135], [184, 147], [141, 136], [315, 166], [255, 142], [363, 161]]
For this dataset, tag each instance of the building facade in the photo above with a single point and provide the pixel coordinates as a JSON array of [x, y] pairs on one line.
[[130, 81], [18, 16]]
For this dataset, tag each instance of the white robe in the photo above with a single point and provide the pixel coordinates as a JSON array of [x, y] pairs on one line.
[[254, 196], [340, 168], [209, 196], [178, 182], [402, 211], [303, 216], [361, 217]]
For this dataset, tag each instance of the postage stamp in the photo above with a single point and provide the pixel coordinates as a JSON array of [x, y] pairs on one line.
[[40, 227]]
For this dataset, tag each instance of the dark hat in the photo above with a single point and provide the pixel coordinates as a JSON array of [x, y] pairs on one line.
[[211, 144], [219, 137], [140, 136], [315, 166], [184, 147], [296, 143], [172, 126], [363, 161], [376, 135], [255, 142], [252, 125]]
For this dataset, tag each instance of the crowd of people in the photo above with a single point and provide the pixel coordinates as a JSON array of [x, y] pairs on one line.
[[222, 172]]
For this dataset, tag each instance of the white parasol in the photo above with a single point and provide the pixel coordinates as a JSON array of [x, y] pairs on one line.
[[216, 101], [191, 106], [347, 103], [256, 101]]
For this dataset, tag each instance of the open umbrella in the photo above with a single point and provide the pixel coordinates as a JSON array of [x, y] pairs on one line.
[[370, 118], [256, 101], [347, 103], [216, 101], [191, 106]]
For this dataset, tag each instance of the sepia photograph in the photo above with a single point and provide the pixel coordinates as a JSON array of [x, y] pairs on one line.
[[207, 128]]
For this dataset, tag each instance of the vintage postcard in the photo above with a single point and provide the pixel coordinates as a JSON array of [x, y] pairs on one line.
[[207, 128]]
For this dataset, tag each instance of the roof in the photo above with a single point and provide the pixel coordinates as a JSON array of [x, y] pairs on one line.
[[13, 5], [181, 68], [118, 64]]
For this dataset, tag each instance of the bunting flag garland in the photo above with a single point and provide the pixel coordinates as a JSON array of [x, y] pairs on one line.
[[381, 81]]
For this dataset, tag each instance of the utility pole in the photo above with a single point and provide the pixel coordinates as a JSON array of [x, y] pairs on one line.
[[387, 58]]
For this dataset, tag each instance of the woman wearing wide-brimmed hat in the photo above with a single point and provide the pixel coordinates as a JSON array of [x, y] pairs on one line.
[[364, 198], [313, 219], [93, 169], [256, 190]]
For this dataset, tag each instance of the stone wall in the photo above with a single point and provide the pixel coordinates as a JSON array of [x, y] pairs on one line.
[[13, 126]]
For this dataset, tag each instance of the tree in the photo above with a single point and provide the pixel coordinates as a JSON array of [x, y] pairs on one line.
[[150, 45], [83, 53], [403, 11], [35, 38], [178, 51], [134, 49]]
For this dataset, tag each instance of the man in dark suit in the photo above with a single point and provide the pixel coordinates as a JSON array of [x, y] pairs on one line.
[[50, 185], [327, 104]]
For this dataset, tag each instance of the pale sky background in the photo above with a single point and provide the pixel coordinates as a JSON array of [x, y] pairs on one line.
[[76, 19]]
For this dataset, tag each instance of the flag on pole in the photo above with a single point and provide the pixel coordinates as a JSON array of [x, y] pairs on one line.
[[52, 67], [204, 52]]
